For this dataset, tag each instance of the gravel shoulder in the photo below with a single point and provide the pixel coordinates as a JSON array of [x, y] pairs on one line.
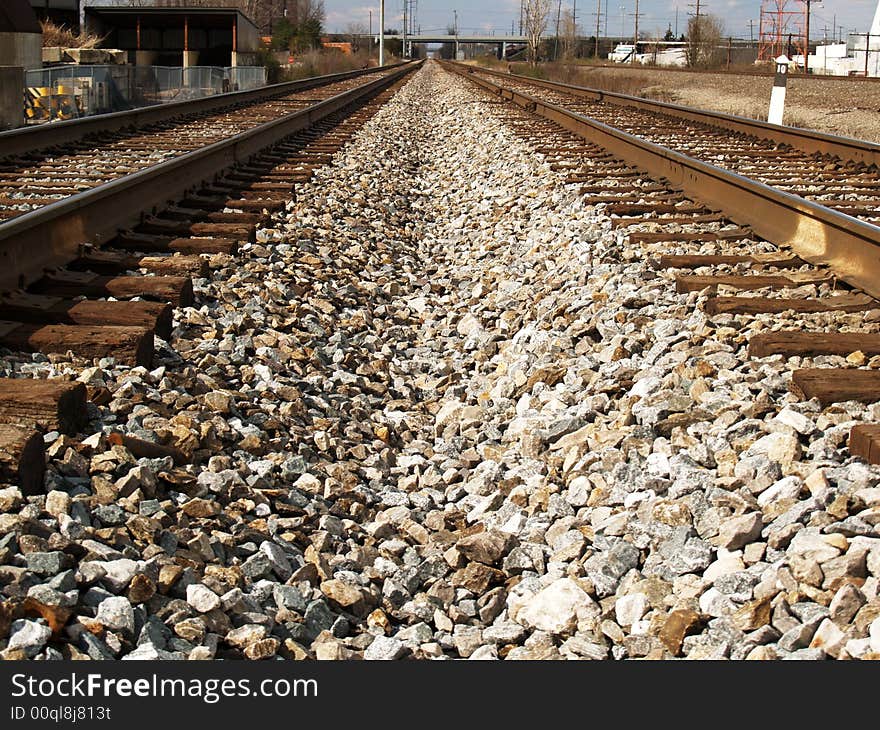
[[846, 107], [443, 410]]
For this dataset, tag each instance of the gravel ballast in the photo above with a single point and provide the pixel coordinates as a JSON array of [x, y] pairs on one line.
[[441, 409]]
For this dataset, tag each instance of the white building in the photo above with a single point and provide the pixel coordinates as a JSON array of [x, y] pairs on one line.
[[853, 58]]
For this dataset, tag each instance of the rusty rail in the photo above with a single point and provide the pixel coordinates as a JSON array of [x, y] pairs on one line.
[[27, 139], [815, 233], [52, 235], [806, 140]]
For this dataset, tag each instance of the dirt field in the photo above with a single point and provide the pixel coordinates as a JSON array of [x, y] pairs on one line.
[[847, 107]]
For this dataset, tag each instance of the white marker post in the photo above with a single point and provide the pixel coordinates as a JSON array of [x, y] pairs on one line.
[[777, 97]]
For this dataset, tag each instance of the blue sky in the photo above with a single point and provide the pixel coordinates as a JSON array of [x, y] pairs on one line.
[[497, 15]]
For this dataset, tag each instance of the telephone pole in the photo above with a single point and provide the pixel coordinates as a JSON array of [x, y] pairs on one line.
[[381, 33], [556, 42], [636, 33], [598, 25], [807, 40]]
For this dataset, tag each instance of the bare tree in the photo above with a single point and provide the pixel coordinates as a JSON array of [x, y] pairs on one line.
[[356, 33], [704, 41], [536, 13], [568, 34]]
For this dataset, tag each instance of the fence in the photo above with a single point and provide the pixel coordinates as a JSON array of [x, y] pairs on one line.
[[70, 91]]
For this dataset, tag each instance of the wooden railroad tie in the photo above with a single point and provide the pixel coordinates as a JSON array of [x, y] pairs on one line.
[[836, 385], [129, 345], [185, 213], [735, 234], [864, 441], [176, 290], [694, 282], [767, 305], [625, 221], [36, 309], [115, 262], [22, 458], [147, 242], [237, 231], [49, 405], [695, 261], [788, 343], [218, 202]]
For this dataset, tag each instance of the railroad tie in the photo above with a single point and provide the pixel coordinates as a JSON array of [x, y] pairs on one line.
[[129, 345], [218, 202], [176, 290], [695, 282], [115, 262], [788, 343], [695, 261], [151, 243], [238, 231], [48, 405], [736, 234], [22, 458], [184, 213], [36, 309], [768, 305], [836, 385], [864, 441]]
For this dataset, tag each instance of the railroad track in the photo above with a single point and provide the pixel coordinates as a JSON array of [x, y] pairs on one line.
[[794, 273], [37, 170], [98, 272]]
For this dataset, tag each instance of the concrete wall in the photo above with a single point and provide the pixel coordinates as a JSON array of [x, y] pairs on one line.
[[248, 36], [11, 97], [21, 49]]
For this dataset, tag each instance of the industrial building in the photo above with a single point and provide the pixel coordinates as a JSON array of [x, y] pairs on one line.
[[21, 39], [163, 32]]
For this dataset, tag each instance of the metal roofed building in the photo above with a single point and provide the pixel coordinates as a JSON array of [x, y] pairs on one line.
[[172, 33]]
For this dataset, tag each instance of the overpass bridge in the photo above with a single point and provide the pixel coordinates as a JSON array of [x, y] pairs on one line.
[[502, 41]]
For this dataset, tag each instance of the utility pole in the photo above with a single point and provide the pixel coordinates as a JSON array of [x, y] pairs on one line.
[[455, 22], [636, 34], [556, 42], [381, 33], [752, 31], [371, 26], [598, 25], [807, 39], [676, 22], [403, 48]]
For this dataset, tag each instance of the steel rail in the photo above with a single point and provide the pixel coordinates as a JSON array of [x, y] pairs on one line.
[[850, 247], [846, 148], [51, 236], [30, 139]]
